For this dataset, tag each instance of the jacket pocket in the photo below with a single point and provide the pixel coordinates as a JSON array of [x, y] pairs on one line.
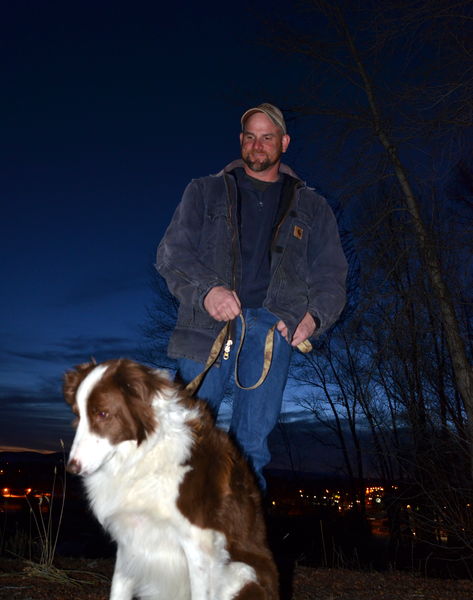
[[294, 246], [191, 318], [215, 228]]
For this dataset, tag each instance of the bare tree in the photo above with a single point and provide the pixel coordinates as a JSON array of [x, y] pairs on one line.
[[161, 319], [382, 382], [385, 116]]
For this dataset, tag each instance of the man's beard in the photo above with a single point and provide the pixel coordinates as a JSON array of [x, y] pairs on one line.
[[260, 165]]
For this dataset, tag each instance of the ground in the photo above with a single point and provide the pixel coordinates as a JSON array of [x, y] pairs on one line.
[[22, 581]]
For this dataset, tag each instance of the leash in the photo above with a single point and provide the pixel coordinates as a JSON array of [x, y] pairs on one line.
[[193, 385], [267, 356], [217, 347], [214, 352]]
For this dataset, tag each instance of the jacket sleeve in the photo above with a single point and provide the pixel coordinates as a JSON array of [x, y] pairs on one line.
[[179, 256], [327, 270]]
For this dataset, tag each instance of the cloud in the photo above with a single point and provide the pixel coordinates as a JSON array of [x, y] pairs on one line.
[[108, 287], [34, 414], [34, 422], [73, 350], [305, 445], [76, 348]]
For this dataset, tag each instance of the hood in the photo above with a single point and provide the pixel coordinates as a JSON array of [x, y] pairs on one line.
[[239, 163]]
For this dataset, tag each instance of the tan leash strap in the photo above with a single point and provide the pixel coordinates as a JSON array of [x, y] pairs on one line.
[[268, 356], [305, 347], [217, 347], [193, 385]]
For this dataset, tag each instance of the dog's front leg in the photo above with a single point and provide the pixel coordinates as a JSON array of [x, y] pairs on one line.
[[122, 584], [212, 574], [198, 551]]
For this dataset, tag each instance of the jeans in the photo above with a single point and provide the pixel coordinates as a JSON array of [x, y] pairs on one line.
[[255, 412]]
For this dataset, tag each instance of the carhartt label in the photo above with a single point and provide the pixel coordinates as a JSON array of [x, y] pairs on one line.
[[298, 232]]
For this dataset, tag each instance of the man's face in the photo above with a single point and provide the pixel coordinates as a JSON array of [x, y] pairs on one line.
[[262, 143]]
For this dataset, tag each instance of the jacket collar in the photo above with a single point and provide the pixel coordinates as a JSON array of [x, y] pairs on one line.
[[239, 163]]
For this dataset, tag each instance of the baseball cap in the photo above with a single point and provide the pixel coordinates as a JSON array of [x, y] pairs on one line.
[[270, 111]]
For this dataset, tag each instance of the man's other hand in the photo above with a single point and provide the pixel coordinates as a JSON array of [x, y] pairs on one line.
[[303, 331], [222, 304]]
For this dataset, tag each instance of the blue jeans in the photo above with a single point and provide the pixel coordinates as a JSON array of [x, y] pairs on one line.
[[255, 412]]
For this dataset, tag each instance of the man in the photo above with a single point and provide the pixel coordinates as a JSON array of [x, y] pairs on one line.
[[253, 246]]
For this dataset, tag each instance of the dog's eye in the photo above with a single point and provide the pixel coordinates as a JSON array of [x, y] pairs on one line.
[[101, 414]]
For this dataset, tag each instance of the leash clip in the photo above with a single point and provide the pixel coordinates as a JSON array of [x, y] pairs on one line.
[[227, 348]]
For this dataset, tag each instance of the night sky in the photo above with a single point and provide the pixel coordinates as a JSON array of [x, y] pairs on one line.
[[108, 109]]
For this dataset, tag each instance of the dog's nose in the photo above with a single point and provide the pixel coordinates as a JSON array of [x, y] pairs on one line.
[[74, 466]]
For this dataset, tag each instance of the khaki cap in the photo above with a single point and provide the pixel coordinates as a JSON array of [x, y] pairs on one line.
[[270, 111]]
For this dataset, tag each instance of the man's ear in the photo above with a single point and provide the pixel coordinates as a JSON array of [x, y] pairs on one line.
[[286, 138]]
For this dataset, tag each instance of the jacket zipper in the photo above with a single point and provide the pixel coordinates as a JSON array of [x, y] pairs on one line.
[[231, 330], [233, 230]]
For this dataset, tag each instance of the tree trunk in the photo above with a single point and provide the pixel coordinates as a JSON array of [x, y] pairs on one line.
[[462, 369]]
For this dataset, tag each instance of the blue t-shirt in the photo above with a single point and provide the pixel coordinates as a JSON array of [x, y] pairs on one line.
[[258, 209]]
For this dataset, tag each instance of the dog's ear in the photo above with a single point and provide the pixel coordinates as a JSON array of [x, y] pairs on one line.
[[139, 385], [73, 378]]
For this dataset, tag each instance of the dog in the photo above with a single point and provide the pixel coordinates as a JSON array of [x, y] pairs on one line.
[[169, 487]]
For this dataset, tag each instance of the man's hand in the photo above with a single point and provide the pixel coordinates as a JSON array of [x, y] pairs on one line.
[[303, 331], [222, 304]]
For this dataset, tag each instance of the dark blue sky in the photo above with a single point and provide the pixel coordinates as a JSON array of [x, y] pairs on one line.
[[108, 109]]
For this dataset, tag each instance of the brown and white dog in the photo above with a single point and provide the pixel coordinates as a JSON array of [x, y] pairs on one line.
[[170, 488]]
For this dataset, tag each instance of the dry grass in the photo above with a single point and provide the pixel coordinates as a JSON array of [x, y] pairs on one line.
[[90, 580]]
